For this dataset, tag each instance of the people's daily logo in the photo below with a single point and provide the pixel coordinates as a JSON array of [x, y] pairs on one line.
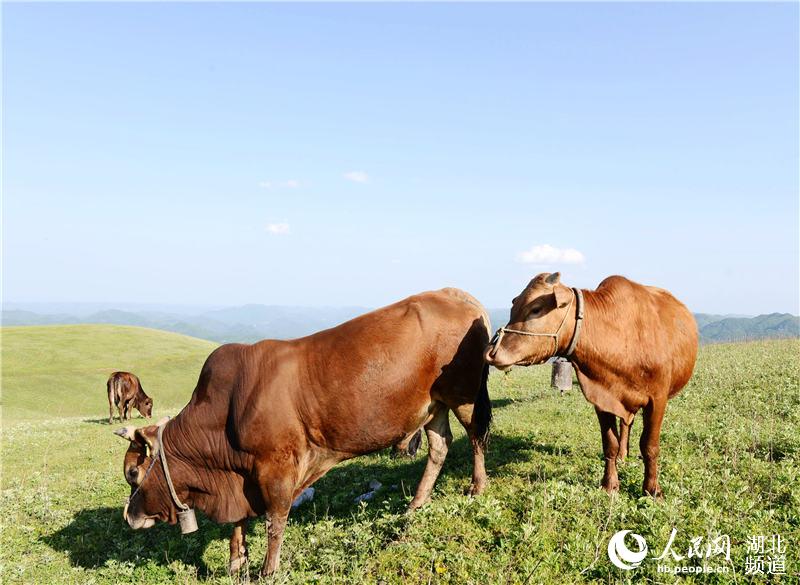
[[700, 554], [623, 557]]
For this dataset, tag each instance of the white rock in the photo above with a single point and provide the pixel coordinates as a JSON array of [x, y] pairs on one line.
[[306, 496]]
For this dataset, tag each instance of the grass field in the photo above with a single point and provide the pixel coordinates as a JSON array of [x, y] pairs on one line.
[[730, 465], [61, 370]]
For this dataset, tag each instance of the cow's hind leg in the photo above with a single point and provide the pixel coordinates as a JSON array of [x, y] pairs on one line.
[[120, 409], [238, 547], [608, 430], [464, 415], [649, 445], [110, 409], [624, 439], [439, 439]]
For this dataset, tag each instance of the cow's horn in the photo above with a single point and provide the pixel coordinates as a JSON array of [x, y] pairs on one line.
[[126, 433]]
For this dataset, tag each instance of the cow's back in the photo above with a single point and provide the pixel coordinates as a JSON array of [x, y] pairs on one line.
[[658, 332], [681, 334], [123, 386], [344, 386]]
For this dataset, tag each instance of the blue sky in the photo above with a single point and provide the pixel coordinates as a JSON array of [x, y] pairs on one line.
[[354, 154]]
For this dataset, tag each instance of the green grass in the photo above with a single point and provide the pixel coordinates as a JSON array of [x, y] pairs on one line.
[[730, 451], [61, 370]]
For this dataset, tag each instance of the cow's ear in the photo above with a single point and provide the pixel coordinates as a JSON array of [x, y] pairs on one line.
[[563, 295], [147, 436], [553, 279]]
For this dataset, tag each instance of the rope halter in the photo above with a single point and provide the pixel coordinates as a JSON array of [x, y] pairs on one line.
[[576, 294], [186, 517]]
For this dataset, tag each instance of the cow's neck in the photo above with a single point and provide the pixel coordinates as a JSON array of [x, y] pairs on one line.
[[203, 465], [590, 352], [598, 356]]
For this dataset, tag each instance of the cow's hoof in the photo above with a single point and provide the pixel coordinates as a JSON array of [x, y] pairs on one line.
[[416, 505], [611, 487], [476, 489], [236, 564], [654, 493], [267, 572], [398, 453]]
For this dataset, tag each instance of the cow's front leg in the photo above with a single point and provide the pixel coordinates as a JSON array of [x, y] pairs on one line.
[[608, 429], [278, 491], [276, 523], [238, 547]]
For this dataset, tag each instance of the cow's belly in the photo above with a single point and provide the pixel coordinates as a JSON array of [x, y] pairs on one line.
[[370, 423], [386, 425]]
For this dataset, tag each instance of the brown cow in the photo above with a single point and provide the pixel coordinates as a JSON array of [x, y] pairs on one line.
[[636, 349], [125, 392], [267, 420]]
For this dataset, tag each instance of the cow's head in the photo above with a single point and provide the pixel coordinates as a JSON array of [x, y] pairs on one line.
[[540, 308], [145, 405], [150, 499]]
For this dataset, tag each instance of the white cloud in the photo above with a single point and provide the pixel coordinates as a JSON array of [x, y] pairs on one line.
[[356, 176], [278, 229], [547, 254], [290, 184]]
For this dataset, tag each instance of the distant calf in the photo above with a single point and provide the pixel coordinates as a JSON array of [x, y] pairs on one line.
[[125, 392], [633, 347]]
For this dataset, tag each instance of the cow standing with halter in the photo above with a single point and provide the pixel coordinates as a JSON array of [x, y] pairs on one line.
[[267, 420], [633, 347]]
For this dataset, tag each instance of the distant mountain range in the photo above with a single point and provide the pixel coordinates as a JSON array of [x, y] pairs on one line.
[[249, 323], [245, 324]]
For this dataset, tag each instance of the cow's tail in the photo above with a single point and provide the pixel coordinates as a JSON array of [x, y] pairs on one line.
[[482, 412], [114, 389]]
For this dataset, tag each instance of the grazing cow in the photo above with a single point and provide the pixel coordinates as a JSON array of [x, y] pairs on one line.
[[267, 420], [125, 392], [633, 347]]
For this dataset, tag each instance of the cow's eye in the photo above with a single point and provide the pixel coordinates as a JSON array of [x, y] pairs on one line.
[[535, 311]]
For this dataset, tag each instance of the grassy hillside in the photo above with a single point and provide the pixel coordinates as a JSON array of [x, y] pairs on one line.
[[730, 465], [61, 370]]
